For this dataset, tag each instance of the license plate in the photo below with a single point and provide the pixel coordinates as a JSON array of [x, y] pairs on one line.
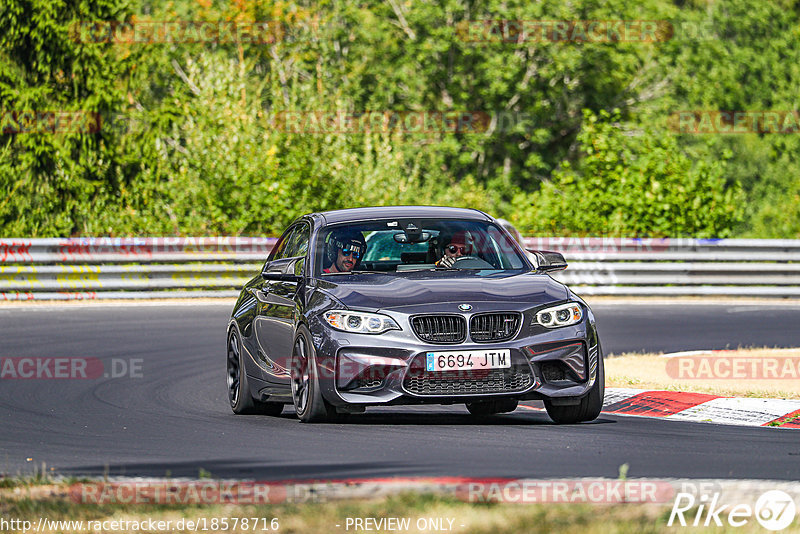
[[458, 360]]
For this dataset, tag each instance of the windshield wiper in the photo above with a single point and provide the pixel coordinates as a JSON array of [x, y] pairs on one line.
[[350, 272]]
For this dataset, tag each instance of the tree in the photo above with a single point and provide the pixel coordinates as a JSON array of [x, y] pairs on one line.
[[632, 183], [55, 177]]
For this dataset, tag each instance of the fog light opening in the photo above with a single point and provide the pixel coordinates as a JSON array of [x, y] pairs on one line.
[[368, 380], [553, 371]]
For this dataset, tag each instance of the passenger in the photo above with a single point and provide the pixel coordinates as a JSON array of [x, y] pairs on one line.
[[344, 251], [456, 247]]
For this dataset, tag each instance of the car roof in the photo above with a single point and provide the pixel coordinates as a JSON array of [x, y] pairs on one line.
[[388, 212]]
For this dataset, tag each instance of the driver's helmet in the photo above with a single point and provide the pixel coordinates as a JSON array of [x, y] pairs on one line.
[[459, 239], [345, 239]]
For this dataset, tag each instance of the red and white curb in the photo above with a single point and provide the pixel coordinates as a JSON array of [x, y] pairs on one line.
[[702, 407]]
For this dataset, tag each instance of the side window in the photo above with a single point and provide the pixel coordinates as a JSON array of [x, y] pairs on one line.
[[298, 245], [504, 250], [283, 245]]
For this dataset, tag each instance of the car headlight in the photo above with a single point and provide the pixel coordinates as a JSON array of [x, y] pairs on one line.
[[360, 322], [563, 315]]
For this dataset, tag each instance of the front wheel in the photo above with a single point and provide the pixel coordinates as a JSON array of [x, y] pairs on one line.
[[309, 405], [589, 407]]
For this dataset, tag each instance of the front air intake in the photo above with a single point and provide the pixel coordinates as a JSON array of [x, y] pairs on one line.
[[488, 327], [440, 328]]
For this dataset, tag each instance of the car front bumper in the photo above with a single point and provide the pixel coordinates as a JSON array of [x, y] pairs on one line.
[[362, 369]]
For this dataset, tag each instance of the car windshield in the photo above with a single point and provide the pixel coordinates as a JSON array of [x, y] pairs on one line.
[[400, 245]]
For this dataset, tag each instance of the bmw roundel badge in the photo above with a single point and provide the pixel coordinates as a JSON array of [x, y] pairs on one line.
[[464, 307]]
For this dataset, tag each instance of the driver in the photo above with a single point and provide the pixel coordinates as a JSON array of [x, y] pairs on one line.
[[457, 247], [344, 250]]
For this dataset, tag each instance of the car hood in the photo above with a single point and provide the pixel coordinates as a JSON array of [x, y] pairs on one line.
[[385, 291]]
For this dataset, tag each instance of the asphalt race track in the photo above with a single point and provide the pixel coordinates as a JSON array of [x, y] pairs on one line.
[[174, 419]]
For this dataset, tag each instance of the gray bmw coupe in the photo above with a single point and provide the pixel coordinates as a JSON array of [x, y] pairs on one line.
[[410, 305]]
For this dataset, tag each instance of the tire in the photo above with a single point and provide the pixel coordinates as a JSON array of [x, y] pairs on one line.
[[483, 408], [590, 406], [309, 405], [241, 402]]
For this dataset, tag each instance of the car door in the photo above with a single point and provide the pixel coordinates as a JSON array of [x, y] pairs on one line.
[[257, 289], [277, 308]]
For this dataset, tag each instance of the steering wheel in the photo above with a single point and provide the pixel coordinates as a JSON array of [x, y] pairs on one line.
[[471, 262]]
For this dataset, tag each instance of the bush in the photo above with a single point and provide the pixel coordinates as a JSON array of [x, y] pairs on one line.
[[632, 183]]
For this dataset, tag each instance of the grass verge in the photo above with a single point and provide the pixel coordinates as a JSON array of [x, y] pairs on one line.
[[711, 374], [421, 511]]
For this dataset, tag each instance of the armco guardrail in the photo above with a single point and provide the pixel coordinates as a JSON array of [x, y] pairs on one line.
[[625, 266], [126, 268]]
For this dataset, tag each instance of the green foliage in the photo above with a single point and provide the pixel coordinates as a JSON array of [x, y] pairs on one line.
[[189, 144], [633, 183], [54, 184], [744, 55]]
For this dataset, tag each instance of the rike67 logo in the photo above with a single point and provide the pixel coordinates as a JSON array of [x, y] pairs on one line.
[[774, 510]]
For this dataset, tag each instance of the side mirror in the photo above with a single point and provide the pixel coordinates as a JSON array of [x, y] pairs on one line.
[[547, 261], [284, 269]]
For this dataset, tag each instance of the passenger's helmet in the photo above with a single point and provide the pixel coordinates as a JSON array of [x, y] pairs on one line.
[[343, 239]]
